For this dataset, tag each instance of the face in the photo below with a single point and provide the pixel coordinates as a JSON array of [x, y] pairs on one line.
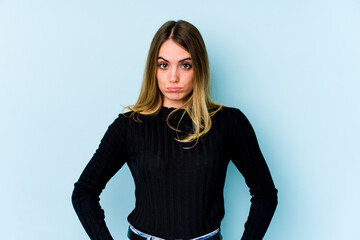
[[174, 73]]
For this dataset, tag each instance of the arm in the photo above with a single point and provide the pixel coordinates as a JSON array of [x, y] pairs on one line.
[[248, 159], [106, 161]]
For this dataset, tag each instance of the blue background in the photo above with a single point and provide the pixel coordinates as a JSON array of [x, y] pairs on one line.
[[68, 67]]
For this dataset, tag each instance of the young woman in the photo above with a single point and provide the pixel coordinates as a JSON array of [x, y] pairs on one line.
[[177, 143]]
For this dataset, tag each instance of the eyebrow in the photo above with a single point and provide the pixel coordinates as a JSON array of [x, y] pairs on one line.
[[179, 61]]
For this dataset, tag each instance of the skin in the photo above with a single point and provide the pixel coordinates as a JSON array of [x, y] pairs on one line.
[[174, 73]]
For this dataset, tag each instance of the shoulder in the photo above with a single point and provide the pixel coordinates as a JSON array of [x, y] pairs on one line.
[[125, 115], [234, 120], [230, 113], [132, 119], [121, 121], [121, 117]]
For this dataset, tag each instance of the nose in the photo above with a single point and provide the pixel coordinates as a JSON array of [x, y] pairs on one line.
[[174, 75]]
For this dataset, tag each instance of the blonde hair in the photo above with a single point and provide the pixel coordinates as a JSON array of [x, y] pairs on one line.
[[198, 104]]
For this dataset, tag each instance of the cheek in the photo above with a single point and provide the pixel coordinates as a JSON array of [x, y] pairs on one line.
[[159, 79], [189, 80]]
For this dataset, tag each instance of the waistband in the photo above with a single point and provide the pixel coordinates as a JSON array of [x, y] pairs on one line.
[[134, 234]]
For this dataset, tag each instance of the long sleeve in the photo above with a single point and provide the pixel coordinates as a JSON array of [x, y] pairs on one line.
[[247, 157], [106, 161]]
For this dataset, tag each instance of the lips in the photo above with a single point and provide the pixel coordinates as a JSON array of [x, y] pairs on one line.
[[173, 89]]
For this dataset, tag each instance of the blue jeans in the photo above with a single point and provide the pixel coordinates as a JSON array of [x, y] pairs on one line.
[[150, 237]]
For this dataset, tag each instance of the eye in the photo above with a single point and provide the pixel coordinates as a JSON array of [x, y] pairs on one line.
[[163, 65], [186, 66]]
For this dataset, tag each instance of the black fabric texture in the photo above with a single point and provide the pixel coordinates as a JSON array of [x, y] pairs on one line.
[[179, 192]]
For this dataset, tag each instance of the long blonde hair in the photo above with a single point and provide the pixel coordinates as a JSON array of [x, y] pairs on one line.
[[198, 104]]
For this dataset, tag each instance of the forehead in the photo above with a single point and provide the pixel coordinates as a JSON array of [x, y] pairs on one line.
[[173, 51]]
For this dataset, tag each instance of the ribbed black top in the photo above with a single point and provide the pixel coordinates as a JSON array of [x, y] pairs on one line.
[[179, 192]]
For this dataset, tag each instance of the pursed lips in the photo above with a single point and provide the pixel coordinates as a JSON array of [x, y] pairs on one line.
[[173, 89]]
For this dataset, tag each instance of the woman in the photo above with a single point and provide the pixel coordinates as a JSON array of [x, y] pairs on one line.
[[177, 143]]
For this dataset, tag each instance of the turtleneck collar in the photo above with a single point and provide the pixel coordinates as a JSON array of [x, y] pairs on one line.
[[170, 109], [165, 111]]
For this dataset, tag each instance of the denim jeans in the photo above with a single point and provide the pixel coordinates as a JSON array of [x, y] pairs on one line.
[[150, 237]]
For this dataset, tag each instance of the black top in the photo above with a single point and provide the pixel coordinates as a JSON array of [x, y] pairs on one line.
[[179, 192]]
